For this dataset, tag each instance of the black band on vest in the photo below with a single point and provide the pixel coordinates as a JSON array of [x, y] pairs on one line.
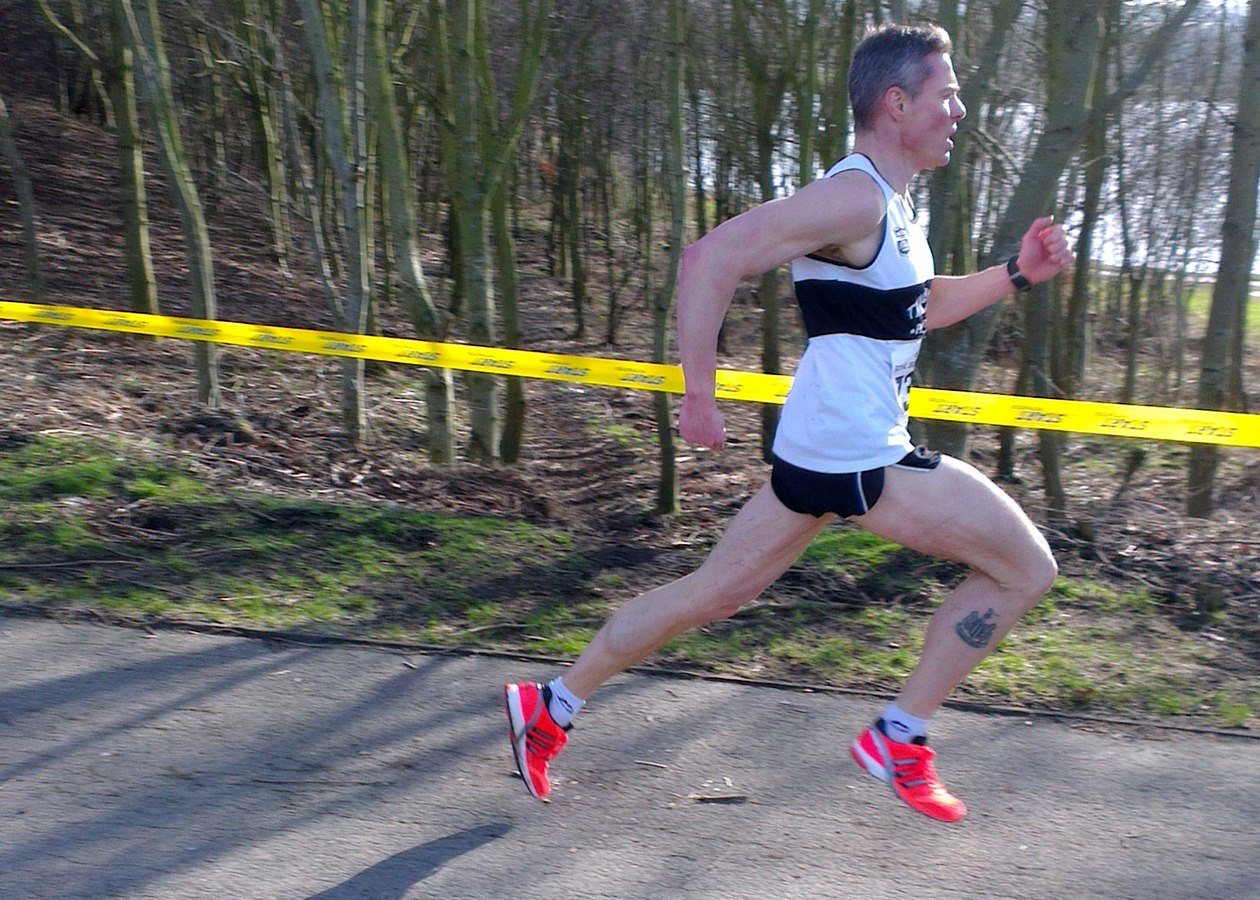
[[840, 307]]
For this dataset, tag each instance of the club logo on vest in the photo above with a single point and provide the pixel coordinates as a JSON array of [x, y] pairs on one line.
[[903, 240]]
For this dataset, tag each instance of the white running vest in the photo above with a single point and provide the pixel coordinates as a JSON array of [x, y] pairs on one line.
[[846, 411]]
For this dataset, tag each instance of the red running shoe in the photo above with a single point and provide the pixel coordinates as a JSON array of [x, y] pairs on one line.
[[536, 739], [908, 770]]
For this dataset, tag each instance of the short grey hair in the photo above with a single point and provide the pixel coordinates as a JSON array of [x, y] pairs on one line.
[[891, 56]]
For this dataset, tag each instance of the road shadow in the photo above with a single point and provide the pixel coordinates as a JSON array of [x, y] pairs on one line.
[[395, 876]]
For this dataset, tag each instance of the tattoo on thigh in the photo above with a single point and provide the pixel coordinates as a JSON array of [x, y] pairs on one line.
[[976, 630]]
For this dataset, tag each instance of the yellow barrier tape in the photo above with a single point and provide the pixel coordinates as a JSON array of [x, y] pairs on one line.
[[1160, 423], [1121, 420]]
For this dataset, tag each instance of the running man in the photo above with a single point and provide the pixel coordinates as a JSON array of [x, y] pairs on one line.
[[868, 293]]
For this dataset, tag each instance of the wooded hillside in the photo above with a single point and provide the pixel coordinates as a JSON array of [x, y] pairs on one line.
[[398, 151]]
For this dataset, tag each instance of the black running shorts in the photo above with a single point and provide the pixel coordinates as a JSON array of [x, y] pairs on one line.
[[843, 493]]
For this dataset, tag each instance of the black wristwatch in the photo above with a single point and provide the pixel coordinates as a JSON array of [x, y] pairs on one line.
[[1017, 277]]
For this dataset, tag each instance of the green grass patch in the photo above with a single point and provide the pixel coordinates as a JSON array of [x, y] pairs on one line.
[[1098, 661], [848, 549], [122, 529], [91, 525], [624, 435], [52, 468], [1084, 593]]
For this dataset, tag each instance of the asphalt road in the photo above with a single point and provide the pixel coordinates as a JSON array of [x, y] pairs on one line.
[[178, 765]]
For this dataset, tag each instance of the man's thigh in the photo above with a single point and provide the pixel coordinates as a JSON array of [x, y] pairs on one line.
[[954, 512], [762, 540]]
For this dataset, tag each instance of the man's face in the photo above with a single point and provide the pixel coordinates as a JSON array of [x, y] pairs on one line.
[[933, 116]]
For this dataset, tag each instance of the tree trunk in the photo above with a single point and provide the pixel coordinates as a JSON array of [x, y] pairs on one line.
[[426, 320], [1238, 250], [145, 38], [129, 143], [1191, 205], [513, 437], [676, 180], [95, 76], [619, 266], [210, 153], [768, 78], [349, 175], [951, 209], [1055, 346], [697, 164], [1005, 464], [26, 203], [1038, 318], [462, 117], [476, 149], [833, 137], [267, 127], [957, 351], [117, 86], [806, 93], [569, 205], [1070, 352], [304, 179]]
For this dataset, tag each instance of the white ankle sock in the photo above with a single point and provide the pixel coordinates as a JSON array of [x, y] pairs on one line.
[[564, 705], [901, 726]]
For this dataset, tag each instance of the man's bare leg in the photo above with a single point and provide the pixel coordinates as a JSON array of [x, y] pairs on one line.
[[762, 540], [954, 512]]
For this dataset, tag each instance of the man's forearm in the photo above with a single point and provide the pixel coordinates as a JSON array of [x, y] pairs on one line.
[[955, 297], [703, 299]]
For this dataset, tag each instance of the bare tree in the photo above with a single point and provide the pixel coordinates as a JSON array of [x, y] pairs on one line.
[[478, 143], [676, 188], [113, 72], [399, 182], [1227, 318], [255, 31], [145, 39], [770, 42], [535, 23], [340, 117], [26, 203], [833, 101]]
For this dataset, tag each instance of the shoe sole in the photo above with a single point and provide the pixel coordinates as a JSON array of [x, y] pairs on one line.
[[518, 730]]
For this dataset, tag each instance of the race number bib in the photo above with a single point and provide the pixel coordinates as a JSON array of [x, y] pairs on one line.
[[903, 360]]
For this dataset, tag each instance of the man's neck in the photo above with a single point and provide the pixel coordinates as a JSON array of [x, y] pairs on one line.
[[892, 166]]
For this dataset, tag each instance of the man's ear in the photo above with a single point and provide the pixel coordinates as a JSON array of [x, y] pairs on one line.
[[896, 100]]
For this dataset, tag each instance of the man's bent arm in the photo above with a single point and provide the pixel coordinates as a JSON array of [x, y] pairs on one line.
[[836, 210], [1043, 253]]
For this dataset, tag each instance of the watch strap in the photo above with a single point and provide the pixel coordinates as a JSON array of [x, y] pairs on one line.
[[1021, 283]]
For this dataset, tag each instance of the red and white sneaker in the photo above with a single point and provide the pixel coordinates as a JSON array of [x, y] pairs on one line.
[[536, 739], [908, 770]]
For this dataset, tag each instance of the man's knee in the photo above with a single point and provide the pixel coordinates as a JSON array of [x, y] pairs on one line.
[[725, 605], [721, 596], [1048, 573], [1037, 575]]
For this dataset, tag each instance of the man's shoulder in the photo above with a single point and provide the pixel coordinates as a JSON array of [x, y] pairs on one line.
[[857, 207], [857, 190]]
